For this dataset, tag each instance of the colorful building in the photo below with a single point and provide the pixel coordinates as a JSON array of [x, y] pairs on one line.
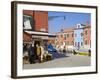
[[69, 36], [65, 38], [78, 36], [59, 39], [35, 30]]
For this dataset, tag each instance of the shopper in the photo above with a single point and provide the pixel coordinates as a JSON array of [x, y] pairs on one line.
[[31, 54], [42, 53], [38, 52]]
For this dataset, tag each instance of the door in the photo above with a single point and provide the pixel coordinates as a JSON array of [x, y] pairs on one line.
[[78, 45], [36, 42]]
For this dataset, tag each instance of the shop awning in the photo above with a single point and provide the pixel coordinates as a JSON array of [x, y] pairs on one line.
[[41, 34]]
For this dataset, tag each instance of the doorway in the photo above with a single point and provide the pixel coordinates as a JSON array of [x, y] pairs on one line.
[[36, 42]]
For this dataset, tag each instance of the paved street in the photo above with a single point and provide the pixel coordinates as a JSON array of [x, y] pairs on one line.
[[65, 61]]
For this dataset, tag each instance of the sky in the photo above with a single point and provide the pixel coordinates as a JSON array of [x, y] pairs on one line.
[[66, 20]]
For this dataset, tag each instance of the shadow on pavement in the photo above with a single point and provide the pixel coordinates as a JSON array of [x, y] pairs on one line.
[[56, 55]]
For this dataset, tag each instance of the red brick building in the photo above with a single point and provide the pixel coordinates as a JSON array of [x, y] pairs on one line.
[[35, 23], [66, 37], [59, 39], [69, 36], [27, 37], [87, 37], [40, 19]]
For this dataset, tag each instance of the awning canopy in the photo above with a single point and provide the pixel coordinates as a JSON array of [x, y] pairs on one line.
[[41, 33]]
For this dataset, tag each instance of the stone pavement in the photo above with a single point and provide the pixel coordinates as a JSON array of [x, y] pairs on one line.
[[68, 60]]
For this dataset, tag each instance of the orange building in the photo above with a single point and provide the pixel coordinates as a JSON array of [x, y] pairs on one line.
[[69, 36], [66, 37], [59, 38]]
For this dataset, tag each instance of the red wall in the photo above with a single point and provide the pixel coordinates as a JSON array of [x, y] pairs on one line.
[[40, 17], [27, 37], [28, 12], [41, 20], [88, 36]]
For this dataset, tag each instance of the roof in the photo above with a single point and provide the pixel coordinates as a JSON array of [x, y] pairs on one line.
[[69, 29]]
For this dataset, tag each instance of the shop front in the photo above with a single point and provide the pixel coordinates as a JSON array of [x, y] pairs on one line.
[[40, 38]]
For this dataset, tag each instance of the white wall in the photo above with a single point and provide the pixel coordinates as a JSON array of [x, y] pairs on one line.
[[5, 43]]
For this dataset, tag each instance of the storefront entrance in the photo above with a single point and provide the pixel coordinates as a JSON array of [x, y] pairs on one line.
[[37, 42]]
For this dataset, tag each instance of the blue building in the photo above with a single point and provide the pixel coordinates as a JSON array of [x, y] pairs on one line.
[[78, 36]]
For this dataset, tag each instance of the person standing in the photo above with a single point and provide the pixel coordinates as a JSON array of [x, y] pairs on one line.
[[38, 51], [42, 52], [31, 54]]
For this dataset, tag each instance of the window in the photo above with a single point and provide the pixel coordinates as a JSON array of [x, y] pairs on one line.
[[28, 22], [78, 44], [72, 42], [67, 42], [61, 36], [81, 43], [81, 34], [65, 36], [75, 35], [78, 26], [75, 43]]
